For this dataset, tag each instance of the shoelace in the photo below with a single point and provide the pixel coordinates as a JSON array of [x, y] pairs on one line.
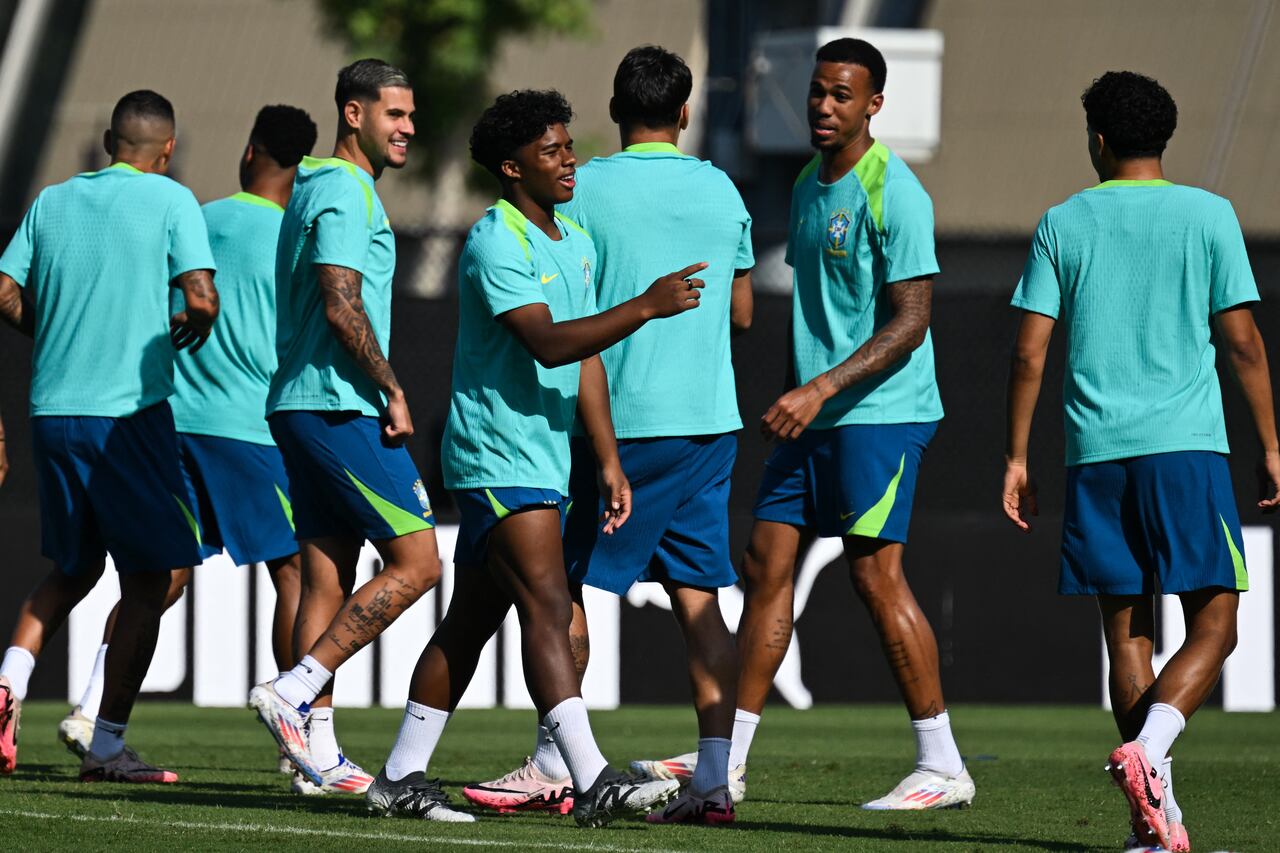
[[524, 771], [422, 797]]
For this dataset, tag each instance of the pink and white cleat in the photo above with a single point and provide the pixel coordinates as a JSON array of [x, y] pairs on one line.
[[287, 725], [124, 767], [679, 768], [1133, 773], [925, 789], [10, 712], [524, 789], [712, 809], [346, 777], [1178, 840]]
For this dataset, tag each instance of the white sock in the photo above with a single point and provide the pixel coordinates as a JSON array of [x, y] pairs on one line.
[[744, 729], [419, 733], [936, 747], [568, 725], [322, 743], [713, 765], [547, 757], [1163, 725], [92, 697], [108, 739], [17, 666], [1172, 813], [302, 684]]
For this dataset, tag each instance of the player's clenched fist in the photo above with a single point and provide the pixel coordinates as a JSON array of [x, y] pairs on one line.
[[675, 292]]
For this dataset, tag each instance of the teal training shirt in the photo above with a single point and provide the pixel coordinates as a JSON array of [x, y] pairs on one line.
[[848, 240], [336, 218], [1135, 271], [221, 390], [673, 377], [510, 417], [96, 255]]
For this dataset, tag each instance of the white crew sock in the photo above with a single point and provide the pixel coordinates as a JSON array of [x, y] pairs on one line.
[[419, 733], [17, 666], [569, 727], [92, 697], [547, 757], [302, 684], [1163, 725], [936, 747], [744, 729], [713, 765], [322, 743], [108, 739], [1172, 813]]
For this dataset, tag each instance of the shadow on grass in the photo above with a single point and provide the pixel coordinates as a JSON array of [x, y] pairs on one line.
[[221, 795], [898, 833]]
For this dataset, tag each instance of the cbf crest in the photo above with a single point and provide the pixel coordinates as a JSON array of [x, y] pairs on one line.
[[838, 232], [586, 271]]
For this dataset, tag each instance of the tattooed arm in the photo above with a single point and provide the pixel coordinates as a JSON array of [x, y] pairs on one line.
[[344, 309], [15, 310], [894, 341], [191, 327]]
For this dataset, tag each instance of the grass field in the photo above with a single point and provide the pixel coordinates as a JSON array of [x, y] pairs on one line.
[[1038, 770]]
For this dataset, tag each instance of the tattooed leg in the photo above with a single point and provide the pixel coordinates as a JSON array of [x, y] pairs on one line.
[[1128, 625], [908, 641], [764, 633], [579, 639], [133, 643]]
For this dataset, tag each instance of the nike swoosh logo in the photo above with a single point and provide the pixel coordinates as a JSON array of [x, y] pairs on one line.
[[546, 279], [1152, 799], [845, 515], [411, 714], [552, 728], [307, 668]]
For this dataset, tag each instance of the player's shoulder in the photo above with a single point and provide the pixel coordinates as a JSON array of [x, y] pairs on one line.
[[501, 233]]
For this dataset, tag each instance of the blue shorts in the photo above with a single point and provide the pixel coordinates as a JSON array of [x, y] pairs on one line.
[[241, 497], [482, 509], [114, 486], [855, 480], [1170, 516], [679, 526], [345, 480]]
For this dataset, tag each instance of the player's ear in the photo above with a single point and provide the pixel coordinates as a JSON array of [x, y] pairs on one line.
[[877, 101], [684, 117], [352, 112], [613, 114], [108, 143], [248, 155], [511, 169], [168, 147]]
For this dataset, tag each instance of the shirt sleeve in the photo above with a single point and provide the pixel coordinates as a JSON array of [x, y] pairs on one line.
[[908, 231], [188, 237], [17, 257], [789, 257], [505, 277], [1231, 281], [1039, 289], [343, 225], [746, 258]]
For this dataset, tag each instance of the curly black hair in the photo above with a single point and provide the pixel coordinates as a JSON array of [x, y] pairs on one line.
[[514, 120], [1135, 115], [286, 133]]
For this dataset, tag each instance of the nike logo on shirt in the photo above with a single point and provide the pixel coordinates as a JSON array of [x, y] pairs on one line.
[[546, 279]]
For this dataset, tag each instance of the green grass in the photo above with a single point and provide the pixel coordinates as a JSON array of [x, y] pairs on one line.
[[1038, 770]]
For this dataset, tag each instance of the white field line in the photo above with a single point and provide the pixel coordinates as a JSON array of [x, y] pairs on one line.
[[278, 829]]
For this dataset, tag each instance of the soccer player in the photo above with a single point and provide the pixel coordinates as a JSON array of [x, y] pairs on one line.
[[88, 273], [1143, 272], [339, 416], [526, 360], [232, 465], [852, 434], [674, 425]]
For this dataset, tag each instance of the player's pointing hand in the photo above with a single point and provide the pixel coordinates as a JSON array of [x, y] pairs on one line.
[[676, 292]]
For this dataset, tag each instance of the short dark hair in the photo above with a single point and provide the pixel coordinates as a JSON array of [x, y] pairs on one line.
[[1135, 115], [856, 52], [513, 121], [143, 103], [286, 133], [364, 80], [650, 87]]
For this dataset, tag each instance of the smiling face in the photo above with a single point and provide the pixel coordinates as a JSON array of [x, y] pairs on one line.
[[842, 99], [385, 126], [545, 167]]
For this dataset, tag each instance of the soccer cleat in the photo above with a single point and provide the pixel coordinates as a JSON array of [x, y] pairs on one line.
[[738, 783], [679, 768], [1133, 773], [524, 789], [713, 809], [75, 732], [10, 713], [286, 763], [614, 794], [124, 767], [345, 777], [414, 795], [924, 789], [1178, 840], [287, 725]]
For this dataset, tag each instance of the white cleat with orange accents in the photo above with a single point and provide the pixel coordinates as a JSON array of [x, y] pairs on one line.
[[925, 789], [287, 725], [346, 777]]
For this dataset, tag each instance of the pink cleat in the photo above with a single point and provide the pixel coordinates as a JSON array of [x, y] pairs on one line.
[[126, 767], [712, 809], [1133, 773], [1178, 840], [524, 789], [10, 712]]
